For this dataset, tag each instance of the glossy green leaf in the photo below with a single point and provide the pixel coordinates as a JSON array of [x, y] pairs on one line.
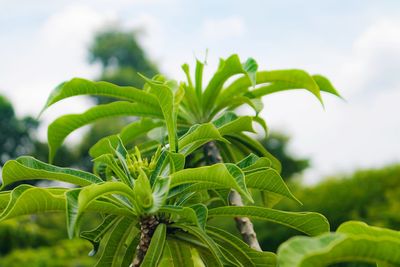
[[277, 80], [240, 124], [310, 223], [59, 129], [117, 243], [29, 168], [246, 255], [226, 175], [165, 95], [26, 199], [79, 199], [325, 85], [226, 69], [79, 86], [178, 254], [96, 235], [269, 180], [182, 214], [256, 147], [202, 133], [353, 242], [205, 240], [154, 253], [128, 134]]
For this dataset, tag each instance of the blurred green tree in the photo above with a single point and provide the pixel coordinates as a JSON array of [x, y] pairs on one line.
[[16, 135], [372, 196], [121, 57]]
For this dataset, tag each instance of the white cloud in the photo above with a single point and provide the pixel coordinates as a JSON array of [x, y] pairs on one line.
[[364, 131], [219, 29]]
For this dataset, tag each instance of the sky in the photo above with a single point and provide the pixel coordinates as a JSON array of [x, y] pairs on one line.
[[354, 43]]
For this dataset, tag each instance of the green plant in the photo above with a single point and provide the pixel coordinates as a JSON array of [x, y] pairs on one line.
[[155, 207]]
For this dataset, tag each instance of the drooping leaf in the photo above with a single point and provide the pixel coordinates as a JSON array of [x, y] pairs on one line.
[[245, 254], [277, 80], [29, 168], [154, 253], [325, 85], [310, 223], [79, 86], [205, 240], [95, 236], [179, 254], [59, 129], [117, 243]]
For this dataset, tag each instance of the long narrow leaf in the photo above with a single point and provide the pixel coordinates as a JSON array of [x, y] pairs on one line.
[[79, 86], [60, 128], [29, 168], [310, 223]]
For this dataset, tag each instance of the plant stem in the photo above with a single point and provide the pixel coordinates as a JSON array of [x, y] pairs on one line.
[[243, 224], [147, 227]]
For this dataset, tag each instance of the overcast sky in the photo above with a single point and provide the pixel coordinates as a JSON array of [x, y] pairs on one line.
[[354, 43]]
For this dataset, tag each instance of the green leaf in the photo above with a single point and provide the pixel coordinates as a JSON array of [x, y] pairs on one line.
[[79, 199], [277, 80], [240, 124], [226, 69], [246, 255], [60, 128], [165, 95], [79, 86], [225, 175], [204, 239], [201, 214], [29, 168], [179, 254], [269, 180], [310, 223], [256, 147], [160, 193], [25, 200], [112, 163], [154, 253], [353, 242], [197, 136], [250, 67], [143, 195], [117, 243], [127, 135], [177, 213], [199, 79], [96, 235], [130, 251], [325, 85]]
